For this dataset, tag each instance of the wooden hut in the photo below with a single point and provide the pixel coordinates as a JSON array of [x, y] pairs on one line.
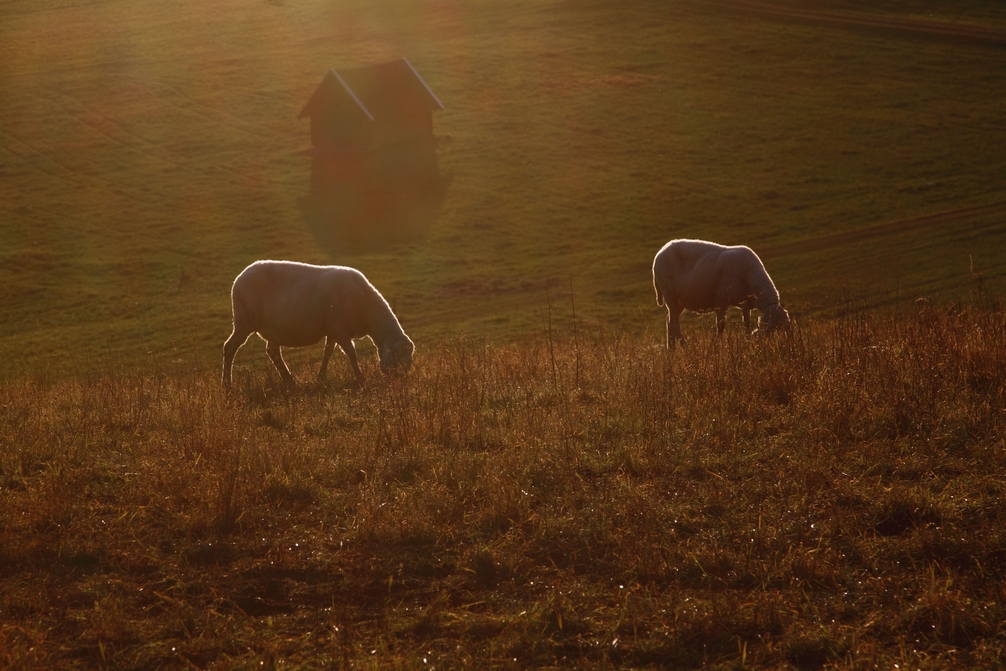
[[372, 129]]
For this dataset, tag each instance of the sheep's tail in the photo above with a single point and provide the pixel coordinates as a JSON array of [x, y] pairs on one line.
[[660, 295]]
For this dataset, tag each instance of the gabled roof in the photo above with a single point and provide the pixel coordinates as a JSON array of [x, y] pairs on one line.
[[376, 90]]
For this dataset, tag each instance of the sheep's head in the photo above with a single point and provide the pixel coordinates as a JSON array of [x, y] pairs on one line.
[[397, 356], [774, 318]]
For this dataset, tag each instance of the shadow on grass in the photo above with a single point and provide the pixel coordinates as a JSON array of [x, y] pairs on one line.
[[374, 214]]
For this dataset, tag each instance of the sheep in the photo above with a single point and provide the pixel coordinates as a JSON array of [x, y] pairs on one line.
[[292, 304], [703, 276]]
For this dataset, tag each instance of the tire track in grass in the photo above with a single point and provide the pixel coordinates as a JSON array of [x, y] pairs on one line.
[[62, 172], [962, 33], [55, 8], [43, 162], [881, 230], [204, 111], [33, 157], [79, 112], [82, 222], [219, 119], [846, 242]]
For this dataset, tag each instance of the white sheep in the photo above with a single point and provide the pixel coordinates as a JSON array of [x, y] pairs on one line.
[[706, 277], [292, 304]]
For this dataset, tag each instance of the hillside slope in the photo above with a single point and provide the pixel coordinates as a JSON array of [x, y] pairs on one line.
[[148, 154]]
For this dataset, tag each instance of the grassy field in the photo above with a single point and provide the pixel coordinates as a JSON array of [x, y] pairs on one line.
[[542, 490], [149, 153], [831, 500]]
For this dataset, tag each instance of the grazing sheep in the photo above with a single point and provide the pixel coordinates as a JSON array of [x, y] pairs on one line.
[[293, 304], [704, 276]]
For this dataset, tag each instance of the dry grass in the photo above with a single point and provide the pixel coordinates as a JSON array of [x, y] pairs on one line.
[[830, 500]]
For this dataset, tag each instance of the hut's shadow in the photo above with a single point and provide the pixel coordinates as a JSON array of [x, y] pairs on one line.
[[381, 200]]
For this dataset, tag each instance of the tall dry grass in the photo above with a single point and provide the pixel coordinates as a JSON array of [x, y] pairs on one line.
[[829, 500]]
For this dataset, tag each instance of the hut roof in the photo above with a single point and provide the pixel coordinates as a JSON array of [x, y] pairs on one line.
[[377, 91]]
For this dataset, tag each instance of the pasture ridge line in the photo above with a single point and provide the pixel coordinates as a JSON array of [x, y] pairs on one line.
[[966, 33]]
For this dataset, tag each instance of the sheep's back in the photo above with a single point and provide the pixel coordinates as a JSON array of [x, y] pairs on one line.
[[292, 302], [703, 274]]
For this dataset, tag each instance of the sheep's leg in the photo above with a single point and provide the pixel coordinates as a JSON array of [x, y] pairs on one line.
[[231, 348], [329, 348], [673, 324], [350, 349], [747, 320], [721, 320], [277, 360]]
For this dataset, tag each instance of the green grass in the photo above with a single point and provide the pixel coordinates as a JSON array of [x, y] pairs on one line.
[[149, 154]]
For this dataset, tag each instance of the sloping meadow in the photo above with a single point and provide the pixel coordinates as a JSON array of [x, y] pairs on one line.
[[833, 498]]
